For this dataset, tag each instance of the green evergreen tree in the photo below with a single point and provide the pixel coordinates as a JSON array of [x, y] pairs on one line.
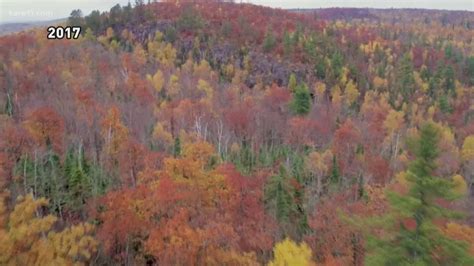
[[301, 103], [469, 69], [278, 195], [335, 175], [434, 84], [319, 69], [406, 79], [449, 85], [336, 64], [270, 40], [287, 44], [444, 105], [421, 243], [177, 147], [75, 18], [79, 187]]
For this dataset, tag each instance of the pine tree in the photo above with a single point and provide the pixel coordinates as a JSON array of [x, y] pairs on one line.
[[469, 70], [413, 238], [444, 105], [448, 83], [287, 44], [76, 170], [177, 147], [301, 103], [335, 175], [279, 195], [270, 41], [337, 65], [406, 84], [319, 69]]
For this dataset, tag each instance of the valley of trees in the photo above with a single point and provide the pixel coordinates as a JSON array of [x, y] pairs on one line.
[[216, 133]]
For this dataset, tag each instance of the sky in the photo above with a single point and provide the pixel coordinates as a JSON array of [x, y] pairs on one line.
[[42, 10]]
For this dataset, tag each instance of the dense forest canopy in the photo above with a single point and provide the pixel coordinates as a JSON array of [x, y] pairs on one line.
[[217, 133]]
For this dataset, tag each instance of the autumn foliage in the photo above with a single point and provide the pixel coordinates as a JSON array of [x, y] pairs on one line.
[[222, 133]]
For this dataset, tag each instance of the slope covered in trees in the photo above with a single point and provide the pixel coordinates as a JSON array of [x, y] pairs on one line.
[[212, 133]]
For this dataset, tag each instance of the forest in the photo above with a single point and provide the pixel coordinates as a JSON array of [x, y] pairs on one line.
[[221, 133]]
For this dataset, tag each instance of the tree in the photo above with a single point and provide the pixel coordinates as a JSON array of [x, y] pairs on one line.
[[279, 195], [93, 21], [190, 19], [330, 237], [113, 131], [288, 44], [301, 103], [75, 18], [28, 238], [288, 252], [345, 146], [406, 79], [336, 65], [76, 169], [469, 69], [245, 206], [115, 14], [320, 69], [413, 237], [461, 232], [468, 148], [467, 156], [46, 126], [292, 83], [177, 147], [393, 124], [157, 80], [448, 80], [351, 93], [269, 41]]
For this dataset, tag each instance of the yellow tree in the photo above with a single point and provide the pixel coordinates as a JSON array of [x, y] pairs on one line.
[[206, 88], [461, 232], [164, 53], [468, 149], [317, 165], [157, 80], [27, 238], [139, 54], [393, 124], [319, 90], [460, 185], [288, 252], [114, 131], [336, 98], [173, 86], [351, 93], [161, 135]]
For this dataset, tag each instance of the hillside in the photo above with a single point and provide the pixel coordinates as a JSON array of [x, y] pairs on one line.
[[234, 134], [9, 28]]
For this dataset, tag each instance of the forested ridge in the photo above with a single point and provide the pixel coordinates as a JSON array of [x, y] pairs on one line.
[[215, 133]]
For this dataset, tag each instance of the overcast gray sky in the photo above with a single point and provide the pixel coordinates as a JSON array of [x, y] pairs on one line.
[[31, 10]]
